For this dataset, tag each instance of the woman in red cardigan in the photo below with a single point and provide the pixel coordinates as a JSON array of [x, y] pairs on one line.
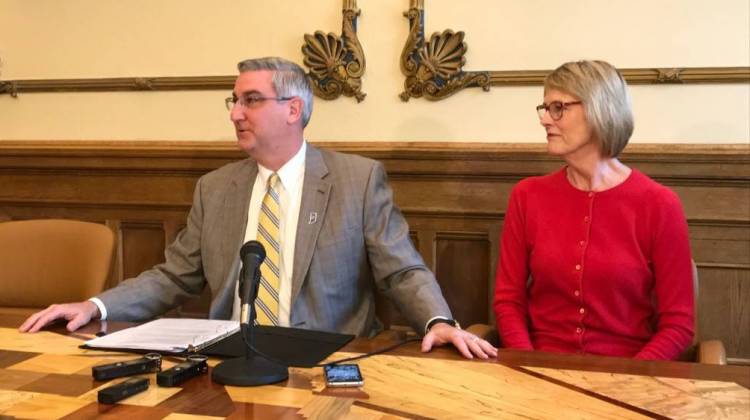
[[594, 257]]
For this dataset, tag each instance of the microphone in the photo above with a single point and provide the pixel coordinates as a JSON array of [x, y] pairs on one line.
[[252, 255], [252, 369]]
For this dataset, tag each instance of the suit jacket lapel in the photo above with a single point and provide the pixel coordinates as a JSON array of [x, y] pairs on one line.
[[315, 193], [233, 225]]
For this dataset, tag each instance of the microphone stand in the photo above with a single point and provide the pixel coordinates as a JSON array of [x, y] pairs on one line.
[[253, 369]]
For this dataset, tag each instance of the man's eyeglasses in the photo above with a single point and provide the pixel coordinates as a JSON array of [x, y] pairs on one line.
[[555, 109], [252, 101]]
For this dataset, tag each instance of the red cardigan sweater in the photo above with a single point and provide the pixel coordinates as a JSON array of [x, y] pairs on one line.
[[610, 271]]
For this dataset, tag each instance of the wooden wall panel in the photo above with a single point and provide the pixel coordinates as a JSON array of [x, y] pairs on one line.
[[724, 309], [142, 247], [714, 243], [460, 259], [453, 195], [714, 202]]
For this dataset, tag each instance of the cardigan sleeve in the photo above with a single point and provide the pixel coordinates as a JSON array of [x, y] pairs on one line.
[[673, 284], [510, 302]]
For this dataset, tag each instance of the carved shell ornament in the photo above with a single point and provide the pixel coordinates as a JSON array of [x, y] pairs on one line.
[[324, 55], [439, 68], [443, 56], [336, 63], [434, 68]]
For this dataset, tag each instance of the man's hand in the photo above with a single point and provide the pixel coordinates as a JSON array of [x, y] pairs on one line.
[[468, 344], [78, 314]]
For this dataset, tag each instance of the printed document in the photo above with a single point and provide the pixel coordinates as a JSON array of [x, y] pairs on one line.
[[173, 335]]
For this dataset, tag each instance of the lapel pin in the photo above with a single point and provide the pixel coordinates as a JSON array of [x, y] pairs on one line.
[[313, 218]]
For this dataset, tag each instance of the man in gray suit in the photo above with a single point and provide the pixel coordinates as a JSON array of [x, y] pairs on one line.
[[340, 234]]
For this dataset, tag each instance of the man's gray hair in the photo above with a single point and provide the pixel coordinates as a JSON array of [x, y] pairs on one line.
[[289, 79], [605, 97]]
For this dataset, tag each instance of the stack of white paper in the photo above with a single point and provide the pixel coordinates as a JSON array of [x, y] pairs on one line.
[[168, 335]]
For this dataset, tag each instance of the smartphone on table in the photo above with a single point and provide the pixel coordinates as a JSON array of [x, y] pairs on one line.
[[344, 375]]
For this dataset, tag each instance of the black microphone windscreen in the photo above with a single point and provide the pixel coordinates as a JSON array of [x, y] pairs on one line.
[[252, 255], [254, 248]]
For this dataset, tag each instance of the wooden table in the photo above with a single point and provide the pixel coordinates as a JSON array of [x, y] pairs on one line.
[[46, 375]]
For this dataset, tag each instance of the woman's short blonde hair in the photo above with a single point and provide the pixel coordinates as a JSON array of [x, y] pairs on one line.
[[605, 98]]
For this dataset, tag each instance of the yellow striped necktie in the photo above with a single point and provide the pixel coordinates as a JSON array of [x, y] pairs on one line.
[[267, 303]]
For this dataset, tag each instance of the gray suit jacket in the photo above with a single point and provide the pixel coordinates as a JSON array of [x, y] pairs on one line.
[[351, 238]]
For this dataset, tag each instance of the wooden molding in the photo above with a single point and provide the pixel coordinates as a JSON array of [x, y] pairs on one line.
[[434, 67], [115, 84], [439, 158], [640, 76], [419, 148]]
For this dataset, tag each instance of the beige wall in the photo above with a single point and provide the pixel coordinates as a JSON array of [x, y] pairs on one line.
[[111, 38]]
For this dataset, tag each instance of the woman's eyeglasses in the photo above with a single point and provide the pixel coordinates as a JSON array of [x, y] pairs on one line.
[[555, 109]]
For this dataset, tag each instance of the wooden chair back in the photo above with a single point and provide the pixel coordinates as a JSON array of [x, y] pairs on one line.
[[53, 261]]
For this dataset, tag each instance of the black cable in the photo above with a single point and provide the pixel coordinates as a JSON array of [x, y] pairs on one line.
[[258, 352], [376, 352]]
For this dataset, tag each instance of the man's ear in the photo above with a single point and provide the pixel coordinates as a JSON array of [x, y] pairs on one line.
[[295, 110]]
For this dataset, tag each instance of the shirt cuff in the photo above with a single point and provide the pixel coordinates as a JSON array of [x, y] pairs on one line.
[[102, 310], [432, 319]]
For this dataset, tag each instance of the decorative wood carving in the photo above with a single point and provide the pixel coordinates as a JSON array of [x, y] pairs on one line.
[[336, 63], [434, 69]]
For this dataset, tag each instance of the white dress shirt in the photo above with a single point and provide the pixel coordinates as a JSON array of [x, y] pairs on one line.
[[291, 177]]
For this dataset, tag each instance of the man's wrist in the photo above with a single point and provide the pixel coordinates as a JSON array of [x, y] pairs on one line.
[[100, 312], [441, 320]]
